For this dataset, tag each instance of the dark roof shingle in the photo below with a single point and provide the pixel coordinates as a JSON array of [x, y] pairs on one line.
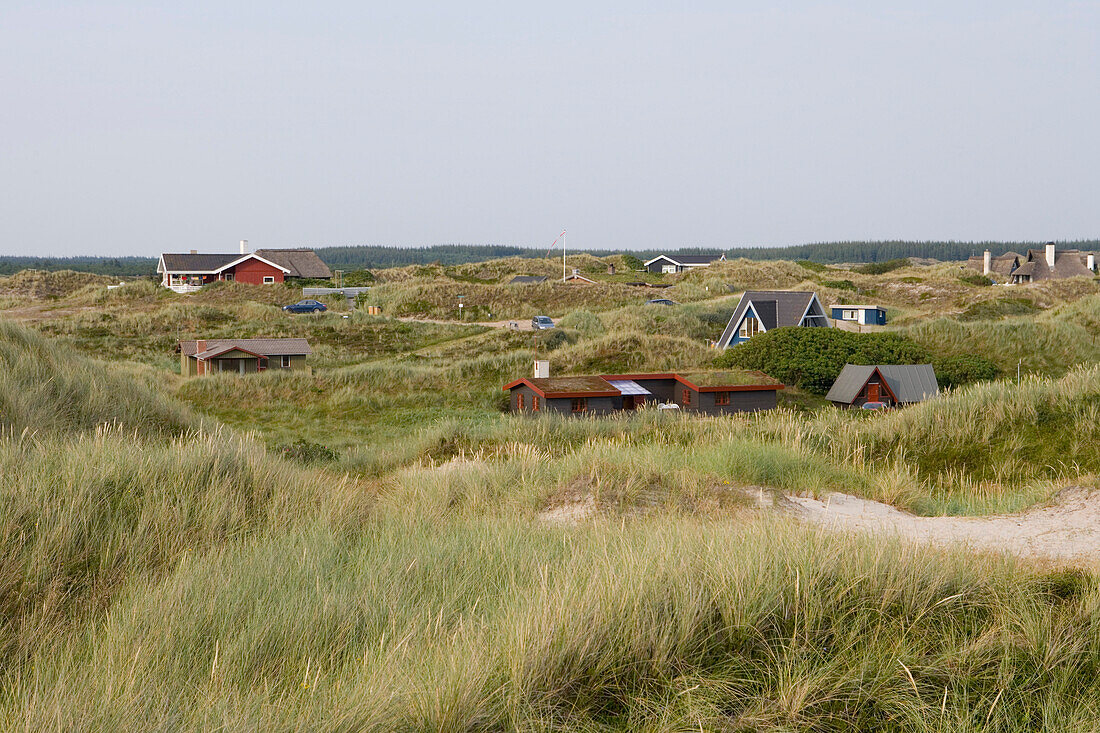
[[301, 262], [267, 347]]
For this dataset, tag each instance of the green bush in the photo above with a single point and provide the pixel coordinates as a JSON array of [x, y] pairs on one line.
[[979, 280], [879, 268], [952, 371], [306, 452], [811, 265], [633, 262], [840, 284], [812, 358]]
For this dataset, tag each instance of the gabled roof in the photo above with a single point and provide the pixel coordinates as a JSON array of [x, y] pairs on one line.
[[264, 347], [207, 264], [301, 262], [688, 260], [774, 308], [907, 382], [528, 279]]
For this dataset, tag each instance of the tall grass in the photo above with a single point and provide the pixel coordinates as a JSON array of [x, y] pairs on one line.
[[663, 625], [45, 387]]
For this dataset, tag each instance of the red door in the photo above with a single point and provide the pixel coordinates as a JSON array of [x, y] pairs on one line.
[[872, 393]]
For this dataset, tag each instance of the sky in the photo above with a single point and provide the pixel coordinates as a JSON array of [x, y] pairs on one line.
[[135, 128]]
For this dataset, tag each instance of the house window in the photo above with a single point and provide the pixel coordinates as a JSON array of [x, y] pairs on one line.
[[229, 276], [269, 279], [580, 404], [686, 397], [519, 401], [749, 327], [721, 398], [261, 363], [535, 403], [286, 361], [850, 315], [669, 269]]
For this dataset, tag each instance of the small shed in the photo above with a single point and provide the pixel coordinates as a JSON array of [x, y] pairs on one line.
[[893, 384], [865, 315]]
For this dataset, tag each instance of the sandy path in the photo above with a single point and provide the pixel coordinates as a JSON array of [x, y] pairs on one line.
[[1066, 530]]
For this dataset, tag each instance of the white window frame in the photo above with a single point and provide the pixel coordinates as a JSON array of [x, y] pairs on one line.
[[850, 315], [269, 279], [285, 361], [747, 332]]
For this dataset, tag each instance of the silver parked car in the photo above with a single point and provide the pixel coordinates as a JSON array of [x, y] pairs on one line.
[[541, 323]]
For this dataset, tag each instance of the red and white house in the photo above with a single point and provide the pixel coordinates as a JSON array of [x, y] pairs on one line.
[[186, 273]]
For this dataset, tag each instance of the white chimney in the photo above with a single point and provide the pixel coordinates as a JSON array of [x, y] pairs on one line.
[[987, 262], [1090, 261], [542, 369], [1050, 255], [244, 246]]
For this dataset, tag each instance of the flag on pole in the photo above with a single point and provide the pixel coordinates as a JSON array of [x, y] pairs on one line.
[[555, 242]]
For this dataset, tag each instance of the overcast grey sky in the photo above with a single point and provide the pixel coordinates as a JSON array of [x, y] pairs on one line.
[[142, 127]]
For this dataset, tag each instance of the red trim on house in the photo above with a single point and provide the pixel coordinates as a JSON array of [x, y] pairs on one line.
[[687, 383], [882, 381], [559, 395]]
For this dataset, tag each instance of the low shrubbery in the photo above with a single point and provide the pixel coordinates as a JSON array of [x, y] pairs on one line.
[[881, 268], [812, 358]]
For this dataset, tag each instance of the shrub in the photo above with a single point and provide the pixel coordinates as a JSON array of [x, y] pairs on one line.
[[811, 265], [306, 452], [633, 262], [840, 284], [812, 358], [879, 268], [952, 371], [978, 280]]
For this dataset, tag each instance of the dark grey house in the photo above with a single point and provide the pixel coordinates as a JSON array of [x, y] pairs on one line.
[[759, 311], [709, 393], [893, 384], [671, 264]]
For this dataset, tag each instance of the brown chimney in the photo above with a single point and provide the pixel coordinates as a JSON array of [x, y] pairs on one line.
[[194, 251], [200, 346]]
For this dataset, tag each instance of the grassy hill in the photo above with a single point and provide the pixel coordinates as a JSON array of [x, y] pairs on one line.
[[171, 565]]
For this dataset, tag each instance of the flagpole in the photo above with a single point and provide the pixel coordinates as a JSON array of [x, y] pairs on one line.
[[563, 255]]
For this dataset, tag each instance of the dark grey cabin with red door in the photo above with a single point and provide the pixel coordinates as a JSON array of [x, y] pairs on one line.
[[708, 393], [892, 384]]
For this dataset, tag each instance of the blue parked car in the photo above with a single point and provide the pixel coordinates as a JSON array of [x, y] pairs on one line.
[[306, 306]]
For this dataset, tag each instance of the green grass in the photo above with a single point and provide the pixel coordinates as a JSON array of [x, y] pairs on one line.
[[167, 572]]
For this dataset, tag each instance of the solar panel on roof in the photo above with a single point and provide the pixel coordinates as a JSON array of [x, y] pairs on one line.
[[629, 387]]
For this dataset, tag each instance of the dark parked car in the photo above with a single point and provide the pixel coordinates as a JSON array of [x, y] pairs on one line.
[[306, 306], [661, 301], [540, 323]]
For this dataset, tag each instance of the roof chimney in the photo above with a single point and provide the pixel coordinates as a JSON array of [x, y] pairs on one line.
[[194, 251], [244, 246], [987, 262], [542, 369], [200, 346], [1050, 255]]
